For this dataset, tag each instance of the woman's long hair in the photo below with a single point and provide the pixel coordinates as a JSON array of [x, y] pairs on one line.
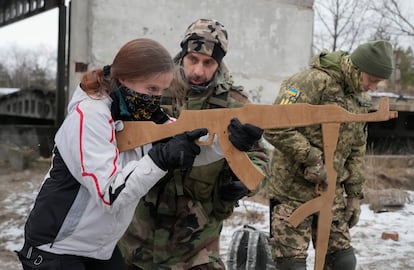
[[140, 58]]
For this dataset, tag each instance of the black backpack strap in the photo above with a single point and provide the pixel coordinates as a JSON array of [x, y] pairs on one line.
[[272, 204]]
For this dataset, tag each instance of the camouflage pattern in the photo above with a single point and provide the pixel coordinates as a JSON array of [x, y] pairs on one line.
[[204, 36], [177, 224], [332, 79], [294, 242]]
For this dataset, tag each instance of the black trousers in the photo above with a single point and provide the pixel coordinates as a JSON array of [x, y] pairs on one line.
[[35, 259]]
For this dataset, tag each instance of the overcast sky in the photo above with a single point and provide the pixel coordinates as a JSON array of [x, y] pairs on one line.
[[39, 30]]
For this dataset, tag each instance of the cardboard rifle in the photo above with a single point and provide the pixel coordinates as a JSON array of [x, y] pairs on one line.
[[137, 133]]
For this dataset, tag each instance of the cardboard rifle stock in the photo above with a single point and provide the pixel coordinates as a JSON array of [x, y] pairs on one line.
[[138, 133]]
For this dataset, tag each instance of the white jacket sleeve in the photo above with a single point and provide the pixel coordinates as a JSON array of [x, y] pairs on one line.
[[86, 141], [209, 153]]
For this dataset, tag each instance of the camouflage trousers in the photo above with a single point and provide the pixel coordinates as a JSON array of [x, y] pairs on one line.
[[291, 242]]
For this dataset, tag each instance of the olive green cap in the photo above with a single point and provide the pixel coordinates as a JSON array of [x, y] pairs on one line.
[[374, 58]]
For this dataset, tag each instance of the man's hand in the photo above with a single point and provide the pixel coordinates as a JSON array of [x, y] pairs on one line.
[[352, 211], [243, 136], [316, 173], [179, 152]]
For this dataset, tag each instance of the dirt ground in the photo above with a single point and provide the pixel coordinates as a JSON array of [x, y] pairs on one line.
[[18, 189]]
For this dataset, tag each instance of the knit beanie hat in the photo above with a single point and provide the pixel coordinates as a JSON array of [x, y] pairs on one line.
[[207, 37], [374, 58]]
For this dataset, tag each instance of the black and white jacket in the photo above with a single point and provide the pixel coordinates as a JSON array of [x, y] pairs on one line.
[[89, 195]]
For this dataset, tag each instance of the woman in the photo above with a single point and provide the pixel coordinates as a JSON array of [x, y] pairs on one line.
[[88, 197]]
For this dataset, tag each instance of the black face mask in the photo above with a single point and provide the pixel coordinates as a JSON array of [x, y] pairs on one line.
[[141, 106]]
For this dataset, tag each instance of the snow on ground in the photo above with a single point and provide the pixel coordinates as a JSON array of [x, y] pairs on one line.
[[371, 250]]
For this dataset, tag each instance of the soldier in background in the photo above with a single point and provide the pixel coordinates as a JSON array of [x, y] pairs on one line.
[[177, 225], [335, 78]]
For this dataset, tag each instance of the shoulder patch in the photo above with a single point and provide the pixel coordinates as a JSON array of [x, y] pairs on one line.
[[290, 96]]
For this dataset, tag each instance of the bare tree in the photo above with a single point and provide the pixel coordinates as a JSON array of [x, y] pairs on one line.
[[5, 80], [397, 25], [341, 25], [397, 17], [28, 68]]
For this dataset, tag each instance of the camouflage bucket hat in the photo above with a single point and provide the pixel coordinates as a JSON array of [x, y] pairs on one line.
[[207, 37]]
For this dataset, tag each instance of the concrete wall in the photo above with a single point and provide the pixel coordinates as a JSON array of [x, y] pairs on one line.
[[268, 39]]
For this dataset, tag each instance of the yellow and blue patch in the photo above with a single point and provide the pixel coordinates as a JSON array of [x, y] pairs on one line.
[[291, 95]]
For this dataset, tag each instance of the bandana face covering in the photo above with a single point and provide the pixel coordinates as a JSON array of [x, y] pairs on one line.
[[141, 106]]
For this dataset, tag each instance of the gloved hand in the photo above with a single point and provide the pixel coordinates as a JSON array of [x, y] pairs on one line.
[[179, 152], [352, 211], [243, 136], [316, 173], [233, 191]]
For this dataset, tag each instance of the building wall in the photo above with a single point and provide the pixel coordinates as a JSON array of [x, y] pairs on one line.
[[29, 103], [268, 39]]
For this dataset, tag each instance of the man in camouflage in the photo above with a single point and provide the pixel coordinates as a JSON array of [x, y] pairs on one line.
[[177, 224], [297, 166]]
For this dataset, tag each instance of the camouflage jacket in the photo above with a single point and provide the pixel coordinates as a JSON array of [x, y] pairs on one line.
[[332, 79], [177, 224]]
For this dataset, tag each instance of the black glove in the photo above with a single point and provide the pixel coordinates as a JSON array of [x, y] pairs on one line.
[[179, 152], [233, 191], [243, 136]]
